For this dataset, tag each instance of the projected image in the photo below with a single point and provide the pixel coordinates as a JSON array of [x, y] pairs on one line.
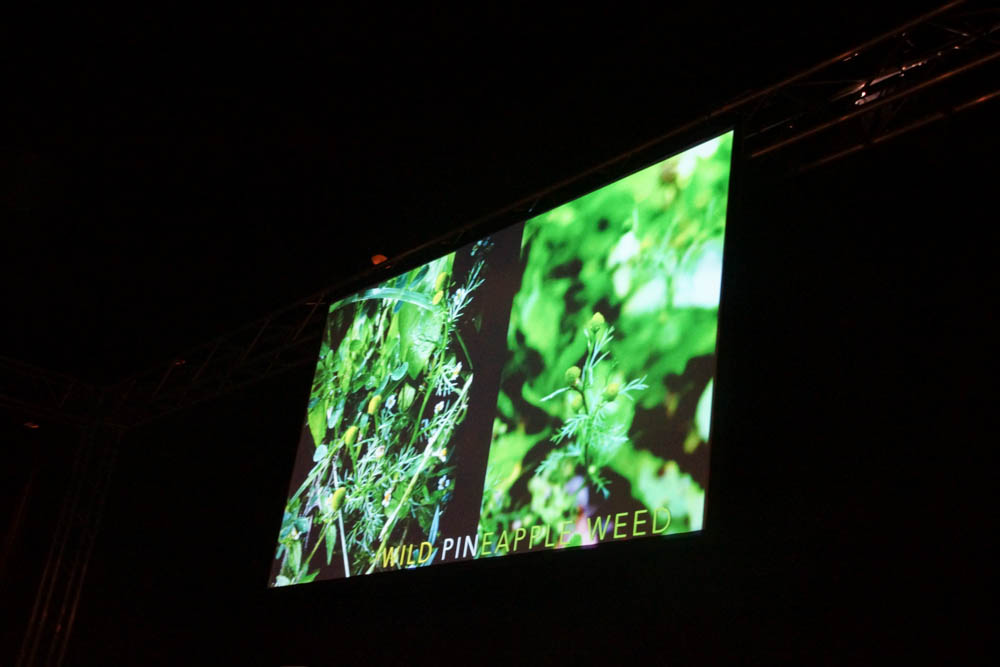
[[602, 420], [548, 386], [391, 389]]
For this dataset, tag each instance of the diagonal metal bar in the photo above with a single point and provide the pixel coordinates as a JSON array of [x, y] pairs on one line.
[[42, 394], [875, 105], [915, 125], [208, 360]]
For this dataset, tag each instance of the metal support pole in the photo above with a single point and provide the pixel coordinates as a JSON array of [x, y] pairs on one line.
[[54, 611]]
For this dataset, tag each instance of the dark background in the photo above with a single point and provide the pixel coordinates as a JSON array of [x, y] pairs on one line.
[[167, 177]]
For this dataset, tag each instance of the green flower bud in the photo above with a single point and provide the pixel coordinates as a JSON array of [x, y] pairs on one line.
[[611, 391], [572, 375], [374, 403], [406, 396], [437, 297], [337, 498], [441, 280], [596, 322], [575, 401], [350, 435]]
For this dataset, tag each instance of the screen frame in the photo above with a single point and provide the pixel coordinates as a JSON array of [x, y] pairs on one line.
[[567, 191]]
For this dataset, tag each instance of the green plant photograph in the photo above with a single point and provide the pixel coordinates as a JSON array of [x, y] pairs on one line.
[[602, 421], [391, 387]]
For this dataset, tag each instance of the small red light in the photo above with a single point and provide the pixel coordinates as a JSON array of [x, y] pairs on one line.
[[180, 362], [378, 259], [30, 425]]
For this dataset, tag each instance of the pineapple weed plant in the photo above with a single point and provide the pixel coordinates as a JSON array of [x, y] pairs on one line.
[[592, 437], [391, 387]]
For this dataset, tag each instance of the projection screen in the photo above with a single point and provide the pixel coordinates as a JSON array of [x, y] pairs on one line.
[[544, 388]]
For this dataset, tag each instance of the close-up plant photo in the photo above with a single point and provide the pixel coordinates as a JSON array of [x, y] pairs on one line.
[[391, 388], [606, 394]]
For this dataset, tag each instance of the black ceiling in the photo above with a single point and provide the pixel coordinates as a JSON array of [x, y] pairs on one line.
[[168, 176]]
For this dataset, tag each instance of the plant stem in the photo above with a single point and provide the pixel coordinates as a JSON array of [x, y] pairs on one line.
[[583, 395], [468, 357], [423, 406], [319, 540], [583, 430]]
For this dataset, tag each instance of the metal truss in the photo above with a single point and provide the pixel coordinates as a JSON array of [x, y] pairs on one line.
[[928, 69], [935, 66], [276, 343], [54, 611], [34, 393]]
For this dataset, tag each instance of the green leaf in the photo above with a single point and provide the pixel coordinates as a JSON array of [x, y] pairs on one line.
[[345, 375], [420, 332], [334, 413], [505, 406], [432, 533], [506, 458], [554, 394], [331, 541], [319, 454], [399, 372], [282, 580], [317, 423], [419, 274], [380, 387], [416, 298], [295, 556]]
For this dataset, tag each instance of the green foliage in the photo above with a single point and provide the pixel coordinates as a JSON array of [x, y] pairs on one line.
[[619, 294], [391, 387]]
